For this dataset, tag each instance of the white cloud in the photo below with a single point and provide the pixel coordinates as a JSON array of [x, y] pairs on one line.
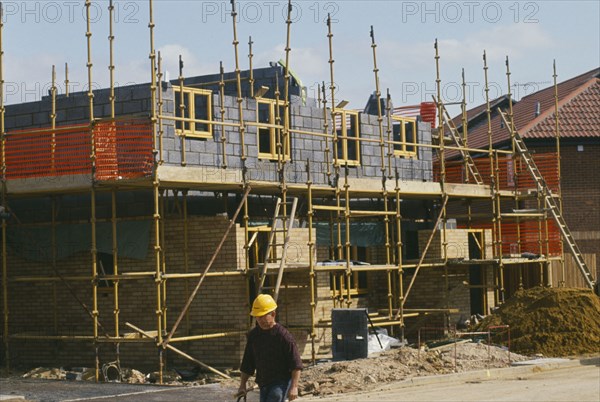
[[192, 66], [307, 62], [515, 41]]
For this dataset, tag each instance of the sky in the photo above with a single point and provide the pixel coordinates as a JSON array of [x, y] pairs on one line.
[[39, 34]]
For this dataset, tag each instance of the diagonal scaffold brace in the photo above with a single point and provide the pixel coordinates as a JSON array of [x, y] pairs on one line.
[[208, 266], [423, 255]]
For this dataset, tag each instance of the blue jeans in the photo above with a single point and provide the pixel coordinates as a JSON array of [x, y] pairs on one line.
[[275, 392]]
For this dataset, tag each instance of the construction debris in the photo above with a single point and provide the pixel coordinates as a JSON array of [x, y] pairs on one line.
[[128, 376], [550, 321], [398, 364]]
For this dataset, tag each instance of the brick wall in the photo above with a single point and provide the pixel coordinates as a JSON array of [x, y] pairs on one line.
[[221, 304], [580, 186], [429, 291]]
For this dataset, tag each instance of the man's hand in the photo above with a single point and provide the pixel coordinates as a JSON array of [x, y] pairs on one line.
[[241, 391], [243, 381], [293, 393]]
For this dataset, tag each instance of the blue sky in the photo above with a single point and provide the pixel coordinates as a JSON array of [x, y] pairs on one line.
[[38, 34]]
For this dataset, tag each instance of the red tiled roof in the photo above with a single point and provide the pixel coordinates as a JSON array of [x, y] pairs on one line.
[[579, 115], [579, 112]]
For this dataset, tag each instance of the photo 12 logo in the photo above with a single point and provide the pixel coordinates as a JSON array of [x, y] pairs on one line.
[[270, 11], [54, 12], [469, 11], [473, 91]]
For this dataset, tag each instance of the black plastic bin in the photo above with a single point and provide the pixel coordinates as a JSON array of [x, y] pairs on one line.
[[350, 336]]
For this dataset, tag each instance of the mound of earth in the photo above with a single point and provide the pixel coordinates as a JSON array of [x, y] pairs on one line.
[[399, 364], [550, 321]]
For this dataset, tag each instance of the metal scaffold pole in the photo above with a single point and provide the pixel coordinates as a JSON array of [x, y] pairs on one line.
[[333, 112], [242, 132], [442, 160], [67, 80], [161, 130], [558, 163], [251, 77], [222, 112], [311, 263], [389, 132], [399, 259], [440, 104], [322, 101], [54, 210], [238, 77], [113, 193], [4, 203], [186, 254], [388, 245], [164, 198], [378, 99], [185, 309], [323, 93], [182, 113], [285, 150], [155, 195], [53, 121], [493, 180], [464, 120], [111, 66], [94, 251], [347, 244]]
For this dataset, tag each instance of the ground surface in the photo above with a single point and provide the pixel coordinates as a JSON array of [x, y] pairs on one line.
[[563, 381], [580, 383], [550, 322]]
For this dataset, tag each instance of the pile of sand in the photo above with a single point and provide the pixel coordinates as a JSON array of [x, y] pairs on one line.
[[550, 321]]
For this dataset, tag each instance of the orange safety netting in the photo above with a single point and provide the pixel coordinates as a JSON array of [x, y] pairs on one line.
[[123, 150], [547, 164], [529, 236], [44, 152], [510, 175]]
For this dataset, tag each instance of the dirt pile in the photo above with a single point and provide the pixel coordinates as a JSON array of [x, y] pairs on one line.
[[398, 364], [550, 321]]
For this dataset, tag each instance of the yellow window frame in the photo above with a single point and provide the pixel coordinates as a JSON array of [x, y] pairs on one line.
[[188, 127], [344, 140], [272, 126], [401, 146]]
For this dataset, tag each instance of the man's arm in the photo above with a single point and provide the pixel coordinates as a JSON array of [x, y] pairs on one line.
[[243, 381], [293, 392]]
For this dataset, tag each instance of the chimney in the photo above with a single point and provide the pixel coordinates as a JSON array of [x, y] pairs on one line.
[[538, 108]]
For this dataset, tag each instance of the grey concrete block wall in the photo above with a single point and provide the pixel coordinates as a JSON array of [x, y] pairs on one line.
[[305, 116], [74, 109]]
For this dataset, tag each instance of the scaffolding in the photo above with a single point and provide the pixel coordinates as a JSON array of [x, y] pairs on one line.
[[121, 153]]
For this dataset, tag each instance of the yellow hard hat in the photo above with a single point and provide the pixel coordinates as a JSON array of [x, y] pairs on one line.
[[263, 305]]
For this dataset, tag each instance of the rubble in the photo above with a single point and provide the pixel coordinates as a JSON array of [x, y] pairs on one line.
[[398, 364]]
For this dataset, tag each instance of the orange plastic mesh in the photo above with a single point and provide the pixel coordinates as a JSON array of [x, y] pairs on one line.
[[123, 150], [547, 164], [30, 153], [527, 236], [509, 175]]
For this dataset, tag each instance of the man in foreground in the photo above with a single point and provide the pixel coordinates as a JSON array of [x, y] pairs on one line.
[[272, 353]]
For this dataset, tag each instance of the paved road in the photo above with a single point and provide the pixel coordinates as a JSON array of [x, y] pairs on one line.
[[580, 383], [552, 382], [63, 391]]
